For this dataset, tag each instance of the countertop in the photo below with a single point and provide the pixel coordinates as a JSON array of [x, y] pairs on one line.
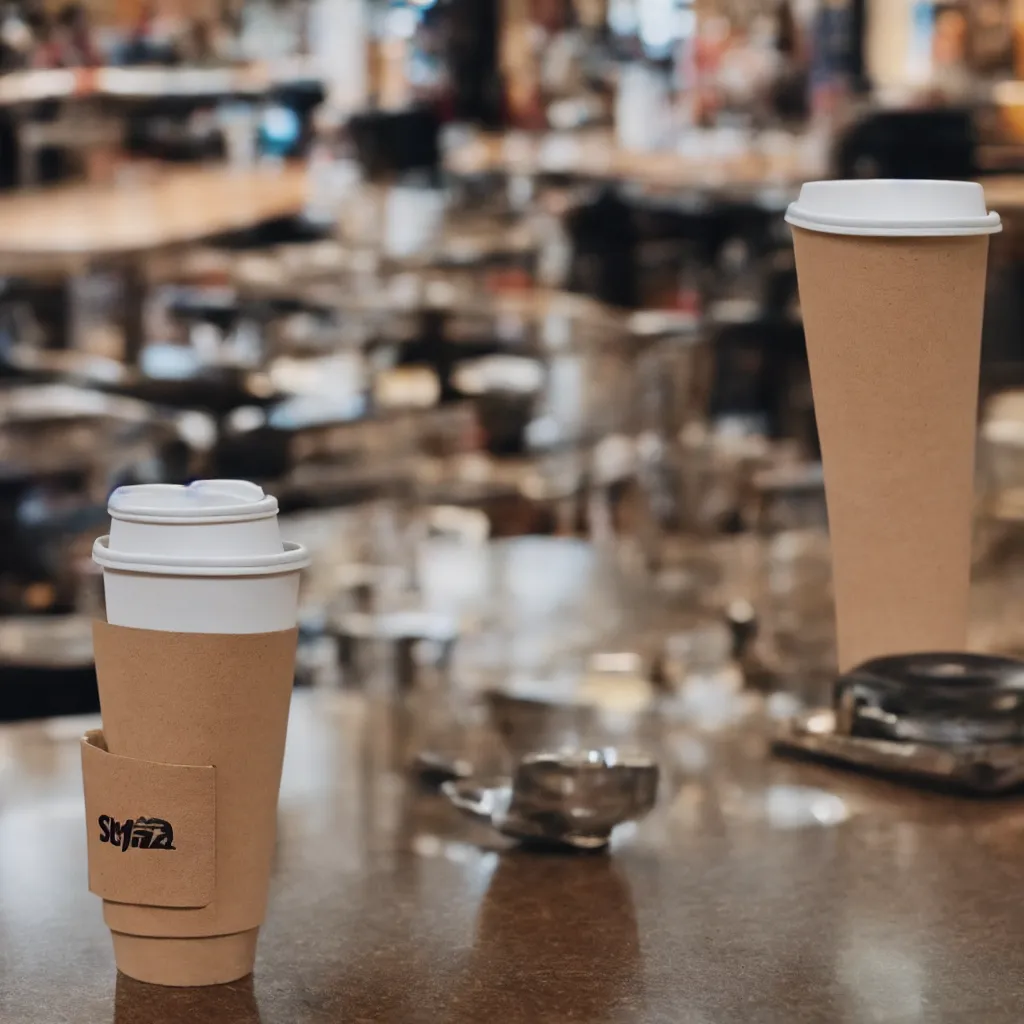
[[721, 161], [746, 897], [38, 85], [174, 206]]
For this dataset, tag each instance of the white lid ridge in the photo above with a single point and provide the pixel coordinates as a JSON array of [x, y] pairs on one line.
[[891, 207], [202, 501], [291, 558]]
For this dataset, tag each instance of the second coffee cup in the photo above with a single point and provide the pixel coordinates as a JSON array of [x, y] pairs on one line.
[[892, 286]]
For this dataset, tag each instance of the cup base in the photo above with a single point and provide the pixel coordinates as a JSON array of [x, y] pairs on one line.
[[181, 963]]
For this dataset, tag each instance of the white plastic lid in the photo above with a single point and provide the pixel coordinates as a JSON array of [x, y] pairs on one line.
[[205, 501], [210, 528], [893, 208]]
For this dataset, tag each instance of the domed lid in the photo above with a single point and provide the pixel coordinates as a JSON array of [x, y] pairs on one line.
[[894, 208], [204, 500]]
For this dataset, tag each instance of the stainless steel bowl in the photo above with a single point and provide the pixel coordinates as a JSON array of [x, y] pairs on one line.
[[572, 799]]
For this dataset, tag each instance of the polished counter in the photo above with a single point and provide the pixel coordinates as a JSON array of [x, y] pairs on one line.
[[72, 225], [78, 84], [170, 207], [733, 162], [758, 891]]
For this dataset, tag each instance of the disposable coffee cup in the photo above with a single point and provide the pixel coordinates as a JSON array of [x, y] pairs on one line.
[[892, 285], [195, 665]]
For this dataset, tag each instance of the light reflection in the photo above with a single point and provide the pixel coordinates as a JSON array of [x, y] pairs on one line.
[[882, 975], [823, 723], [795, 807], [785, 808], [33, 852], [624, 834], [433, 847], [782, 706]]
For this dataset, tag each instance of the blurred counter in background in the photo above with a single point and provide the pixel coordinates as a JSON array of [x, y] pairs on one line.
[[427, 337], [162, 208], [548, 336], [257, 79], [730, 159]]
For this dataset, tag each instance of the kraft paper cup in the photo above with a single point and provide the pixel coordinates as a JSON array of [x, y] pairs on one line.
[[195, 666], [892, 284]]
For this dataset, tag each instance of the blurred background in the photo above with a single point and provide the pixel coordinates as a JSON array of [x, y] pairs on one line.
[[495, 296]]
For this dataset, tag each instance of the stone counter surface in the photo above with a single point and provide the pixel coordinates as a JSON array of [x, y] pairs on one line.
[[759, 891]]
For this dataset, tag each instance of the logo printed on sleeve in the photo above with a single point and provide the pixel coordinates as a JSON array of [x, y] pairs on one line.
[[137, 833]]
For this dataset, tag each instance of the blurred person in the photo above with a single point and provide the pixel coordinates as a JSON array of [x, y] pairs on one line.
[[429, 73], [199, 44], [46, 52], [561, 48], [17, 38], [18, 42], [521, 42], [833, 46], [149, 40], [788, 39], [470, 40], [747, 67], [951, 77], [74, 45], [543, 53], [709, 47], [790, 98], [550, 15]]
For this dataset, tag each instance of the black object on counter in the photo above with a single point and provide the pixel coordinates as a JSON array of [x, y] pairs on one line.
[[950, 720], [934, 698]]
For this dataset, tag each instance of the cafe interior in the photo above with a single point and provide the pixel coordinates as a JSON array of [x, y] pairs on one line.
[[498, 299]]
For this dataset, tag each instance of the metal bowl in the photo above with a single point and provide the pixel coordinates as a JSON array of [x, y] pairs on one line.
[[574, 799]]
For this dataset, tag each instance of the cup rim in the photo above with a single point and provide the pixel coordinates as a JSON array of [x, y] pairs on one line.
[[853, 227], [292, 558]]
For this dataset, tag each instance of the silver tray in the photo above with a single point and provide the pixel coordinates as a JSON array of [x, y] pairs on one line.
[[984, 769]]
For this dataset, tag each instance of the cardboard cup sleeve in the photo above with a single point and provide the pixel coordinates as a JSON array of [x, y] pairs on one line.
[[893, 331], [181, 792], [118, 790]]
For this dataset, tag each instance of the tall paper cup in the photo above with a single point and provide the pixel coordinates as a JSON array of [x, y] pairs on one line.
[[195, 666], [892, 282]]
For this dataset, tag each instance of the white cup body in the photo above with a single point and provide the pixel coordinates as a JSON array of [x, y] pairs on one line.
[[202, 604]]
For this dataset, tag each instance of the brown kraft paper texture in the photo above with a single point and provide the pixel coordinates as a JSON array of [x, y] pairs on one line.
[[893, 331], [150, 828], [204, 700]]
